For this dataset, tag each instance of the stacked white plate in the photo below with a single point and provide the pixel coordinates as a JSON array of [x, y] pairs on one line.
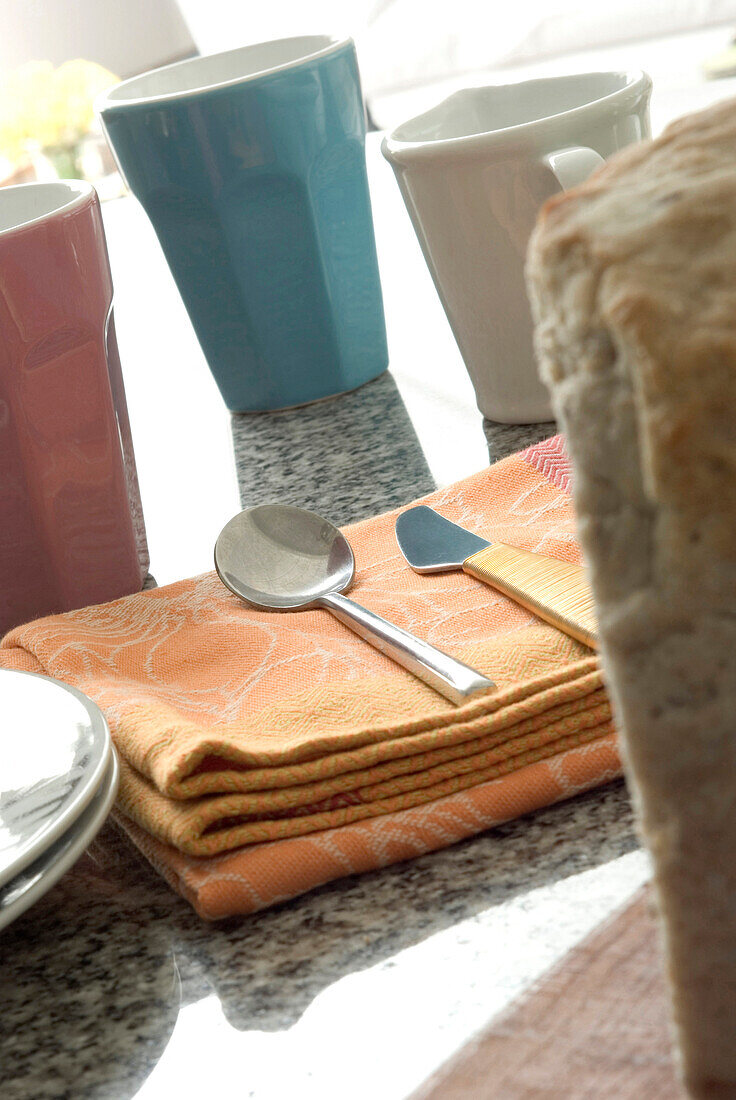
[[58, 780]]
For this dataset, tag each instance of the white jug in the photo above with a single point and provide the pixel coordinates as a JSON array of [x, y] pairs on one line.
[[474, 172]]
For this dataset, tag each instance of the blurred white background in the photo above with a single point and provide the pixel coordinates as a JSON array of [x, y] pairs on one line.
[[400, 41], [405, 47]]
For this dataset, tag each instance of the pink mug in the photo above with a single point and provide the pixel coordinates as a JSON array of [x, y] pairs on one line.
[[71, 526]]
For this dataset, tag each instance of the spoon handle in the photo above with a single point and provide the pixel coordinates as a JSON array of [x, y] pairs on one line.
[[451, 678]]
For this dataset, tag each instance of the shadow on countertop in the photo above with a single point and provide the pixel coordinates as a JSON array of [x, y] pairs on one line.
[[93, 976], [358, 922], [348, 457]]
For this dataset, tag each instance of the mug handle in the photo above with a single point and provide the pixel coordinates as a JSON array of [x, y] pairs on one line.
[[572, 165]]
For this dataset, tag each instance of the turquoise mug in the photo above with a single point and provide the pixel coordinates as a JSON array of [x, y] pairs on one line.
[[251, 167]]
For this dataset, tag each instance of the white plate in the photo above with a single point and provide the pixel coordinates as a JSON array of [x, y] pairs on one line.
[[33, 882], [54, 750]]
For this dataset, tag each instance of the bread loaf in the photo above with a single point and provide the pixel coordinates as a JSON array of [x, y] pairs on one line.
[[632, 278]]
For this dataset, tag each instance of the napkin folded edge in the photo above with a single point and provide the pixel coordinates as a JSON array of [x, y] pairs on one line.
[[247, 880]]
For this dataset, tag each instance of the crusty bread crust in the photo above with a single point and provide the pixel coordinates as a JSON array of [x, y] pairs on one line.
[[632, 278]]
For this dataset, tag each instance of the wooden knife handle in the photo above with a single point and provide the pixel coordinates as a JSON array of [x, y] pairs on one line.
[[554, 590]]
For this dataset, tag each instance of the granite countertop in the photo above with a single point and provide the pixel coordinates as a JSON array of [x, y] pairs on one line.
[[111, 986]]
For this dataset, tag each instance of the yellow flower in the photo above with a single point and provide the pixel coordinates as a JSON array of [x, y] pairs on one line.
[[75, 86], [43, 106]]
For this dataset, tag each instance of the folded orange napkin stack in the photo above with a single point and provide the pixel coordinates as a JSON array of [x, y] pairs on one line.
[[264, 753]]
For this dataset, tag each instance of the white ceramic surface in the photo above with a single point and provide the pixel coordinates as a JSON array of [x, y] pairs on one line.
[[33, 882], [54, 751], [473, 172]]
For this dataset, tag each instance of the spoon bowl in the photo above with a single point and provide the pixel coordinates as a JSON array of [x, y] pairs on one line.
[[280, 558], [283, 558]]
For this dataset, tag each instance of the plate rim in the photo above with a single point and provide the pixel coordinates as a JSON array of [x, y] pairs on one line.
[[81, 833], [57, 826]]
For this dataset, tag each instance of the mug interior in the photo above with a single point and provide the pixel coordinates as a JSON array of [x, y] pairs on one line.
[[199, 73], [483, 110], [30, 202]]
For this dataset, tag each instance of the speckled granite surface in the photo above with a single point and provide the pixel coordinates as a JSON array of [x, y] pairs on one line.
[[96, 978], [350, 457], [505, 439], [111, 987]]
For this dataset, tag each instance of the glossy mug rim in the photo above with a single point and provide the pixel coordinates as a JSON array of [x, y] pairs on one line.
[[637, 83], [78, 192], [110, 100]]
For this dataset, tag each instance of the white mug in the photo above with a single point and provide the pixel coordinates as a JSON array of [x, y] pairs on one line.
[[474, 171]]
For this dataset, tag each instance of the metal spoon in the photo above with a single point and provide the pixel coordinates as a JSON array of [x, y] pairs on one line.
[[288, 559]]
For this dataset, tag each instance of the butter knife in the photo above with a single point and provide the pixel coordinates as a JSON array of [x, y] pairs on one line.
[[555, 590]]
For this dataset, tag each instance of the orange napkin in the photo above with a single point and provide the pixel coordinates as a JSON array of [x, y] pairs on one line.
[[265, 753]]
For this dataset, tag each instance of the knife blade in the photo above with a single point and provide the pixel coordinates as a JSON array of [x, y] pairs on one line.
[[555, 590]]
